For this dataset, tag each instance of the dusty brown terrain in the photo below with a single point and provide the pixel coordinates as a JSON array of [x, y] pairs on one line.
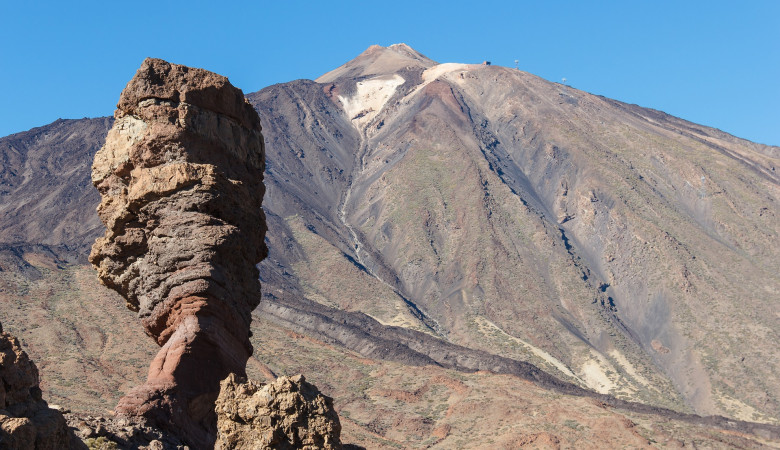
[[88, 346], [389, 405], [385, 404]]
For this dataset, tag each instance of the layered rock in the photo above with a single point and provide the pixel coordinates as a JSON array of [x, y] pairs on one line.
[[26, 421], [285, 414], [181, 184]]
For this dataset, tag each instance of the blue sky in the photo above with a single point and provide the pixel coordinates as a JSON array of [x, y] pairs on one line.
[[712, 62]]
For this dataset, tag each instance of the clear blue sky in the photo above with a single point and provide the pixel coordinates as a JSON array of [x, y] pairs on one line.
[[711, 62]]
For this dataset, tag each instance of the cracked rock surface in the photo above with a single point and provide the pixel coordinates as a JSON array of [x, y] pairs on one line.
[[285, 414], [181, 184]]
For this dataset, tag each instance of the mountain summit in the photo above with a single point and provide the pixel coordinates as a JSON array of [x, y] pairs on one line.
[[378, 60]]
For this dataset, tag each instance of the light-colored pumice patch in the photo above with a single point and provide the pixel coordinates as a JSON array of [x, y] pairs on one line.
[[370, 98]]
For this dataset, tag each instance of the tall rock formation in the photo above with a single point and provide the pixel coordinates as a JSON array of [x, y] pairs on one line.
[[26, 421], [181, 184]]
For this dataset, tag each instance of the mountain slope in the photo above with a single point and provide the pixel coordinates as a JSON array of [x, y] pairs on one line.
[[607, 243], [42, 176]]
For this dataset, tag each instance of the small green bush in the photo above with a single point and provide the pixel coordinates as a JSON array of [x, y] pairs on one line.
[[101, 443]]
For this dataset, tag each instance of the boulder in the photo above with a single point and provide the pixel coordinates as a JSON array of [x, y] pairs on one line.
[[288, 413]]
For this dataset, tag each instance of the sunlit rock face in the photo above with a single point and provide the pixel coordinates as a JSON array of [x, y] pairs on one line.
[[181, 184]]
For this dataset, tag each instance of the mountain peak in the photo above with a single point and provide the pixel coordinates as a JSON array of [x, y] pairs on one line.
[[404, 49], [379, 60]]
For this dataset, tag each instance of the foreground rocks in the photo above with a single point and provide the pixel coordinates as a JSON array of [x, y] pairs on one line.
[[106, 433], [181, 184], [26, 421], [285, 414]]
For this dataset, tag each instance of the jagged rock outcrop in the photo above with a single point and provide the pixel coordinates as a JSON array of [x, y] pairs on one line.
[[181, 184], [26, 421], [289, 413]]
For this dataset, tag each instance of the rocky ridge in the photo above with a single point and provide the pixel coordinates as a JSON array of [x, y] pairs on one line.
[[44, 167]]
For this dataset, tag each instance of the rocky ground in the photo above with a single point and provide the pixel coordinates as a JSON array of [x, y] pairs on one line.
[[381, 404]]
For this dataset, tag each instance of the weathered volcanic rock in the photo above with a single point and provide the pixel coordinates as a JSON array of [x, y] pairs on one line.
[[285, 414], [26, 421], [121, 432], [181, 184]]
